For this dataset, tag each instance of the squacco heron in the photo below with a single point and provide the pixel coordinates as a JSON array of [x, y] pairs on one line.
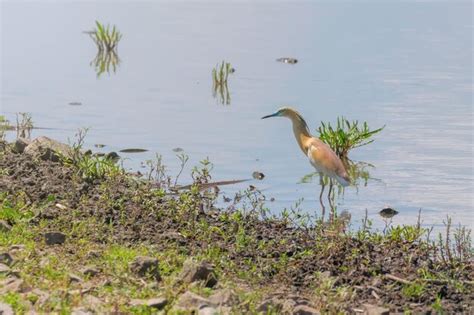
[[320, 155]]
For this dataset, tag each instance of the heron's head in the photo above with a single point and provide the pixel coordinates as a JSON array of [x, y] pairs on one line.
[[282, 112]]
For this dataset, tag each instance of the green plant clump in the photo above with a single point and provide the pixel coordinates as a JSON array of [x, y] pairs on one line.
[[346, 135], [104, 37]]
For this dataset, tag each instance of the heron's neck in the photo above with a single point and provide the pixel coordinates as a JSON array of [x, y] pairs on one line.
[[301, 131]]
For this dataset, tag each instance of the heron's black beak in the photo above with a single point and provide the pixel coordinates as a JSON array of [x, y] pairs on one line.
[[268, 116]]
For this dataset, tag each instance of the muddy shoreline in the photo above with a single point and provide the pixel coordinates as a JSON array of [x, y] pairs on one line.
[[263, 264]]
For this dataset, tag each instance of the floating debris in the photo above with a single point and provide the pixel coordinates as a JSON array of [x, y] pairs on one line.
[[75, 103], [388, 213], [272, 199], [287, 60], [178, 149], [258, 175], [133, 150], [98, 145]]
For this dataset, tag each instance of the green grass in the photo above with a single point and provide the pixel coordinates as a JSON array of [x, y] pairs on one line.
[[104, 37], [346, 135]]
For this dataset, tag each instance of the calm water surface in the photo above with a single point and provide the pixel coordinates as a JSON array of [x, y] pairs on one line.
[[404, 65]]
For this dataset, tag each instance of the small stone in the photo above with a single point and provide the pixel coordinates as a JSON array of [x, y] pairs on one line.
[[53, 238], [81, 311], [42, 296], [17, 247], [198, 271], [74, 278], [375, 310], [223, 297], [190, 301], [4, 226], [90, 271], [146, 266], [92, 302], [158, 303], [6, 258], [208, 310], [6, 309], [4, 268], [93, 254], [20, 144], [270, 306], [11, 284], [304, 310]]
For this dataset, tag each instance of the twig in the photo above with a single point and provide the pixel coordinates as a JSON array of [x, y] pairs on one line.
[[397, 279]]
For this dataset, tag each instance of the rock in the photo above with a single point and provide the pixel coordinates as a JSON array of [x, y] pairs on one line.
[[80, 311], [375, 310], [146, 266], [270, 306], [11, 284], [74, 278], [92, 302], [304, 310], [5, 309], [93, 254], [198, 271], [90, 271], [48, 149], [4, 226], [6, 258], [209, 310], [158, 303], [4, 268], [17, 247], [189, 301], [223, 297], [42, 296], [53, 238], [20, 144]]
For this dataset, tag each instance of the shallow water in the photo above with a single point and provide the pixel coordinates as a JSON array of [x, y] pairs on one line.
[[404, 65]]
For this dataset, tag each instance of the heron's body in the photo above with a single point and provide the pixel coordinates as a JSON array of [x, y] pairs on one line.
[[320, 155]]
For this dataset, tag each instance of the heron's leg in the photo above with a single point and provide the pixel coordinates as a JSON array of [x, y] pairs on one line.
[[323, 209], [331, 206]]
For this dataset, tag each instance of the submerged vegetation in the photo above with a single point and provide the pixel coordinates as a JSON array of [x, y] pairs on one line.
[[249, 261], [220, 75], [346, 135]]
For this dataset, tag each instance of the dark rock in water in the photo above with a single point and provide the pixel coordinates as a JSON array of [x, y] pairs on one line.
[[388, 213], [198, 271], [287, 60], [48, 149], [258, 175], [146, 266], [133, 150], [231, 70], [53, 238], [20, 144], [112, 156], [75, 103], [178, 150]]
